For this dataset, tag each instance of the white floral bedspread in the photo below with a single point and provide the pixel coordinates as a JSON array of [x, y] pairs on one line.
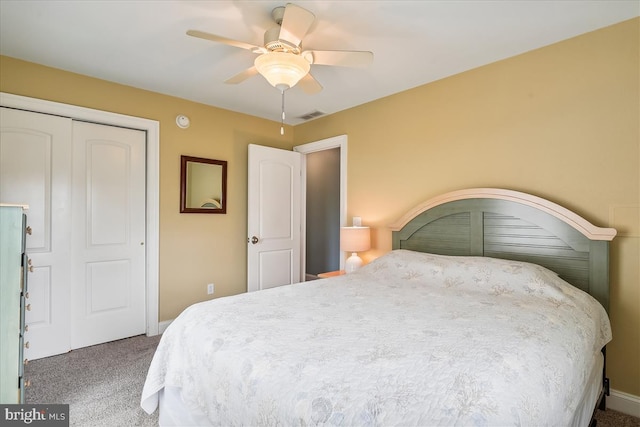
[[409, 339]]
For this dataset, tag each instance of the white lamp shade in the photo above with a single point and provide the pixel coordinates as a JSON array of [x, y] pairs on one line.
[[282, 69], [355, 239]]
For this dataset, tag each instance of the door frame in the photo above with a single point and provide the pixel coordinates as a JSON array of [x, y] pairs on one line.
[[152, 129], [340, 142]]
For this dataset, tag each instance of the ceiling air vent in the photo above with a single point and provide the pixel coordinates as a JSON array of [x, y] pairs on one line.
[[312, 115]]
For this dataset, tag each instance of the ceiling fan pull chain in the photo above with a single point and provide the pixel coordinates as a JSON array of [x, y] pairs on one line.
[[282, 123]]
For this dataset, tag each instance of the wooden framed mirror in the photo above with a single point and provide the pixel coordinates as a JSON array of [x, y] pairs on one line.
[[203, 185]]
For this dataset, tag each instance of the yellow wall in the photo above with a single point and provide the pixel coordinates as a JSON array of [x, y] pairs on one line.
[[561, 122], [195, 249]]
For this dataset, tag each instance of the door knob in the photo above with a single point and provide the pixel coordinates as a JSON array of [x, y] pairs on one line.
[[254, 240]]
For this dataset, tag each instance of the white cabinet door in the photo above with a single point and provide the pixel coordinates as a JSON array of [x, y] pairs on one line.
[[108, 252], [274, 218], [85, 187], [35, 169]]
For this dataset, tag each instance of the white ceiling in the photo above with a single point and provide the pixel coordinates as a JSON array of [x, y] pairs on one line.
[[143, 43]]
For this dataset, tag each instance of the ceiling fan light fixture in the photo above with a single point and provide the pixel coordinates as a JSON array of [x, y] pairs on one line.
[[282, 70]]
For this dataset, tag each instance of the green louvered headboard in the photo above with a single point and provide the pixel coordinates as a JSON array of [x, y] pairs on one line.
[[512, 225]]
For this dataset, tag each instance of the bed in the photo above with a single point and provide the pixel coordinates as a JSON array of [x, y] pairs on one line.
[[491, 309]]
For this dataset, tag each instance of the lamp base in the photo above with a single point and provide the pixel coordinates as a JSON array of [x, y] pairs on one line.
[[353, 263]]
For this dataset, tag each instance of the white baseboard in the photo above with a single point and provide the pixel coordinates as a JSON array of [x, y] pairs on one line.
[[624, 402], [162, 326]]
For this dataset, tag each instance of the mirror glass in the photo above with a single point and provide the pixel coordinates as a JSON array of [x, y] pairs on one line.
[[203, 185]]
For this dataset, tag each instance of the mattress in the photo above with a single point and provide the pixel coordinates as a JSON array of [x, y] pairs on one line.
[[174, 412], [409, 339]]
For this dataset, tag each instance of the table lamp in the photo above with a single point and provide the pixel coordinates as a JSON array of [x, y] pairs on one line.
[[354, 239]]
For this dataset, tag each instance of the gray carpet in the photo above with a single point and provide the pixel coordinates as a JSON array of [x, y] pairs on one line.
[[102, 385]]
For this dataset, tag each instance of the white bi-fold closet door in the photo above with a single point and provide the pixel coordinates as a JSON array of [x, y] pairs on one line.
[[85, 187]]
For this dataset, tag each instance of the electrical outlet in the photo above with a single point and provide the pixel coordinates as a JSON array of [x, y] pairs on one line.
[[210, 288]]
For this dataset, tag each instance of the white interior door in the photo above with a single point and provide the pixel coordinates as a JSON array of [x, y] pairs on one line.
[[35, 169], [274, 218], [108, 234]]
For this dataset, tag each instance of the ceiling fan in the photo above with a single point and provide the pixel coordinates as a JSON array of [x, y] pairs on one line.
[[282, 61]]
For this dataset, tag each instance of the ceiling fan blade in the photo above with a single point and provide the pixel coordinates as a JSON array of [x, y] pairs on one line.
[[309, 84], [242, 76], [224, 40], [295, 24], [341, 58]]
